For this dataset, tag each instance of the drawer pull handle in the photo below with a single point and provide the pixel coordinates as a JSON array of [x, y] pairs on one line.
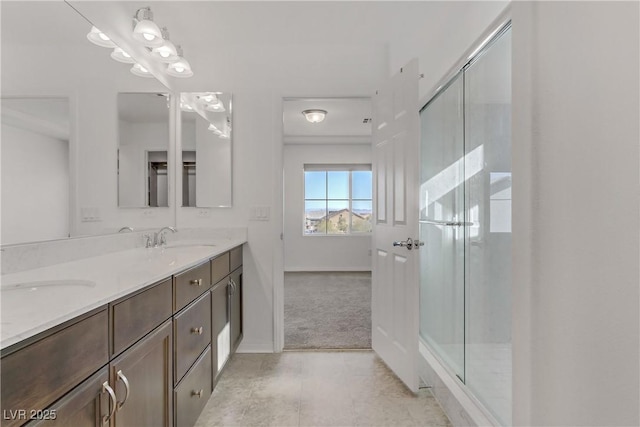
[[197, 393], [126, 389], [197, 282], [197, 330], [114, 401]]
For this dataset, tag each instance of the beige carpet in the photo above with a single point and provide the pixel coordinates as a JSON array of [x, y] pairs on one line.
[[327, 310]]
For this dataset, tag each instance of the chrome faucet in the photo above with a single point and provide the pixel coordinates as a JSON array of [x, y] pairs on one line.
[[125, 229], [159, 238]]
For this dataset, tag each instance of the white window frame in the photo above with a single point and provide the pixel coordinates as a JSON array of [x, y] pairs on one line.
[[335, 168]]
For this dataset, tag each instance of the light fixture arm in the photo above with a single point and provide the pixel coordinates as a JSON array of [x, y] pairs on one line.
[[146, 15]]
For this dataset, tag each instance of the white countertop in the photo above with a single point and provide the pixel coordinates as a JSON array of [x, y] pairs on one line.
[[35, 300]]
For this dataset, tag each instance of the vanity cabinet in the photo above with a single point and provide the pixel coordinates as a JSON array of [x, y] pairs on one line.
[[36, 375], [235, 308], [142, 380], [85, 406], [193, 392], [226, 309], [150, 358]]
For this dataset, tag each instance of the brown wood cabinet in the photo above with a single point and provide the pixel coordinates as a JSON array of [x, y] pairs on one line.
[[226, 314], [190, 284], [142, 379], [219, 327], [193, 392], [87, 405], [134, 316], [192, 334], [151, 358], [40, 373], [235, 308]]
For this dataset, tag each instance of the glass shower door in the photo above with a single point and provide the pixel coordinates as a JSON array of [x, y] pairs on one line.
[[441, 214], [487, 114]]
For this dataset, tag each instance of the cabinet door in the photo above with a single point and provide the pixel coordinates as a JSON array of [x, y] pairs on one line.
[[235, 308], [142, 379], [220, 338], [87, 405]]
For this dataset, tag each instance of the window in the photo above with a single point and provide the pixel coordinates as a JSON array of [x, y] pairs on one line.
[[337, 199]]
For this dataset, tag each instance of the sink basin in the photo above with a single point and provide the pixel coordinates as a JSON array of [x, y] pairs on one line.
[[48, 285]]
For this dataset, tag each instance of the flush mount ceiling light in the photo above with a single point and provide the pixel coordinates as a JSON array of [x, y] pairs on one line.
[[140, 71], [180, 68], [167, 52], [314, 116], [99, 38], [145, 30], [121, 56]]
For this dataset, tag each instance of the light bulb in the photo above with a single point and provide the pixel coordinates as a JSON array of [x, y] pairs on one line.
[[99, 38], [141, 71], [121, 56]]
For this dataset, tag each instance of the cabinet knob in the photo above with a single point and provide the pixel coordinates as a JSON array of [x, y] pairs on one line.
[[197, 330], [197, 393], [196, 282]]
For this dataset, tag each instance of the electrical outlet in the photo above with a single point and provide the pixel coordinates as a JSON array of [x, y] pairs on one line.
[[90, 215], [204, 213], [148, 213]]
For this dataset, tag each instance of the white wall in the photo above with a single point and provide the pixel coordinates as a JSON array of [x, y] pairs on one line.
[[575, 213], [35, 186], [319, 253]]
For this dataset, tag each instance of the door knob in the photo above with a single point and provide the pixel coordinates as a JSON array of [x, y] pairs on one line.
[[409, 243]]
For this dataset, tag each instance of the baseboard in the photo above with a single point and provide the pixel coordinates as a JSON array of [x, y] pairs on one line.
[[326, 269], [255, 347], [455, 400]]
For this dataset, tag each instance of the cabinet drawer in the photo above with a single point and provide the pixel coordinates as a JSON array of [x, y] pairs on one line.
[[219, 268], [193, 392], [235, 256], [192, 334], [190, 284], [35, 376], [138, 315]]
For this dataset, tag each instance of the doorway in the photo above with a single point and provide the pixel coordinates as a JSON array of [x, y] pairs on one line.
[[327, 233]]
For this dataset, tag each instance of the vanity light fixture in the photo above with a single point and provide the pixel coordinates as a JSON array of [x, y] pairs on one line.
[[208, 97], [120, 55], [145, 30], [314, 116], [99, 38], [217, 107], [186, 107], [140, 71], [180, 68], [167, 52]]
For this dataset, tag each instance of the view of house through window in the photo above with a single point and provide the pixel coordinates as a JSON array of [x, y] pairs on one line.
[[337, 199]]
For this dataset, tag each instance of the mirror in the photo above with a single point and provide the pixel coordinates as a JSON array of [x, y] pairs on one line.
[[206, 137], [60, 128], [143, 147]]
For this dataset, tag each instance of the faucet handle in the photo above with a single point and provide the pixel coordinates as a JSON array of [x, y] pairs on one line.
[[147, 240], [163, 239]]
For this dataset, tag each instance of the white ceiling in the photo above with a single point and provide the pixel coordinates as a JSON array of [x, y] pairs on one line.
[[344, 117]]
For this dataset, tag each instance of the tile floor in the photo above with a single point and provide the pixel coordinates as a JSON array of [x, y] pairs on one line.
[[349, 388]]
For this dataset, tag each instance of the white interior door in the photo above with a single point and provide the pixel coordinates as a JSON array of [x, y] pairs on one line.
[[395, 297]]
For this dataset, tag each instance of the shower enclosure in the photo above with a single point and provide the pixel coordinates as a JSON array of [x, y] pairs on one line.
[[465, 222]]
